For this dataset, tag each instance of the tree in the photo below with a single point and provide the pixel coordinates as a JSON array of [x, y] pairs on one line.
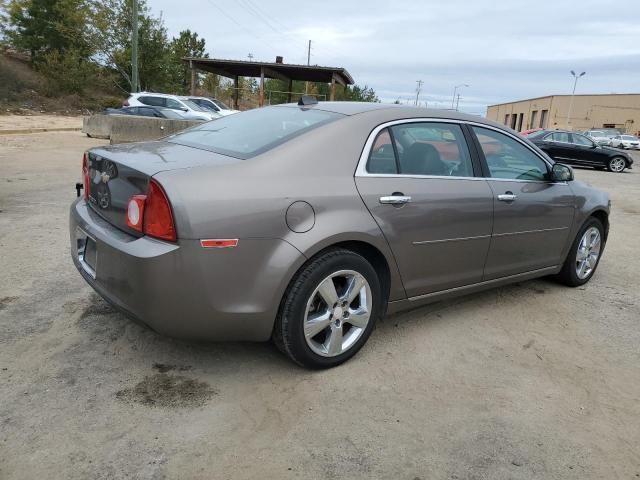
[[187, 44], [46, 26]]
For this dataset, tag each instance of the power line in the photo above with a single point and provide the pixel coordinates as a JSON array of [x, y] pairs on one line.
[[249, 8], [274, 20], [253, 34]]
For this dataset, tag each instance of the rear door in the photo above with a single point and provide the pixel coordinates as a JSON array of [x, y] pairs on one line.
[[558, 146], [418, 180], [532, 215]]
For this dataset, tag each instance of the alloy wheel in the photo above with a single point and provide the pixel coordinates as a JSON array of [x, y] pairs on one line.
[[617, 164], [337, 313], [588, 253]]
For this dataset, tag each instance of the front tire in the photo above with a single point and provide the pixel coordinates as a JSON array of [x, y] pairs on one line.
[[329, 310], [617, 165], [584, 255]]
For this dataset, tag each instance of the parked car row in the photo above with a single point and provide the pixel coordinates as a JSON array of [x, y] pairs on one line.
[[192, 107], [577, 149]]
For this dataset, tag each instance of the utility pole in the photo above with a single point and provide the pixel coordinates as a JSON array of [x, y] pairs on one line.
[[306, 84], [418, 89], [250, 57], [575, 82], [455, 90], [135, 82]]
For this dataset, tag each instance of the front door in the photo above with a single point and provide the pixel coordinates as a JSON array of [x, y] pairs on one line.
[[420, 187], [532, 215]]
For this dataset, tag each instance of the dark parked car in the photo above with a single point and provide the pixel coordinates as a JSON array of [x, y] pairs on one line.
[[577, 149], [306, 224], [157, 112]]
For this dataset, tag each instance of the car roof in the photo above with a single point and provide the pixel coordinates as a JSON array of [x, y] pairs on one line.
[[401, 111]]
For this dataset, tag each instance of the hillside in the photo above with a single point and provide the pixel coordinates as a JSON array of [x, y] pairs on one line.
[[25, 91]]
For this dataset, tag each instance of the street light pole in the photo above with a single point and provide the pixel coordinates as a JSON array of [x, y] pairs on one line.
[[575, 83], [455, 90]]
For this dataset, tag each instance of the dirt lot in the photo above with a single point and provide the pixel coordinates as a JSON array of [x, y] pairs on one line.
[[530, 381], [23, 122]]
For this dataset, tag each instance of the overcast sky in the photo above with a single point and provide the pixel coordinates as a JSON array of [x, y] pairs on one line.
[[505, 50]]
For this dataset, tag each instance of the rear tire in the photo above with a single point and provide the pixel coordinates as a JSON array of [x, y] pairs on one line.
[[318, 333], [583, 259], [617, 165]]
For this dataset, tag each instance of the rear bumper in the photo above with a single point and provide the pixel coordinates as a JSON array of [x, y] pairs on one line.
[[183, 290]]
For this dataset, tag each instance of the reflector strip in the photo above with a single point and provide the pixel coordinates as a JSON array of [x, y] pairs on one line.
[[219, 242]]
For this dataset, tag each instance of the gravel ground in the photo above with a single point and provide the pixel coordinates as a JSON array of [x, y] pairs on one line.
[[19, 122], [534, 380]]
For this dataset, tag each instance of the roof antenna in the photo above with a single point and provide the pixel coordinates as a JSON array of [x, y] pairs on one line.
[[307, 100]]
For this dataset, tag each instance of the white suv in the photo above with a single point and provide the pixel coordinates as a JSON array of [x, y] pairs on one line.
[[190, 110]]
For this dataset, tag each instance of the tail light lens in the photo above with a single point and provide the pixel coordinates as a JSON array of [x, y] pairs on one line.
[[151, 213], [85, 176], [158, 219], [135, 212]]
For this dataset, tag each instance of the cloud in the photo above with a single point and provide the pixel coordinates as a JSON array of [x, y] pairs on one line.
[[505, 49]]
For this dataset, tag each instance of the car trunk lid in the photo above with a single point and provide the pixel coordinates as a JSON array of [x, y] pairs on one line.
[[117, 173]]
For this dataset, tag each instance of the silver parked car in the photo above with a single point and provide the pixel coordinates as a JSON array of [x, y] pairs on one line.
[[307, 223]]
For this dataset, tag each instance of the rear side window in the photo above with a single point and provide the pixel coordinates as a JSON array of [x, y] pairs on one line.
[[562, 137], [382, 159], [254, 132], [509, 159], [422, 148], [154, 101]]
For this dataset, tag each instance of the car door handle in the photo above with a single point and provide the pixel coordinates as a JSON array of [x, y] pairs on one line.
[[395, 200], [507, 197]]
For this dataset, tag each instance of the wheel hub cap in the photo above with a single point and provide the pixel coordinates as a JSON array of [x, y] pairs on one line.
[[588, 253], [338, 313]]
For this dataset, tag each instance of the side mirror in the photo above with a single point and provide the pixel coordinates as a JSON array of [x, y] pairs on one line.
[[561, 173]]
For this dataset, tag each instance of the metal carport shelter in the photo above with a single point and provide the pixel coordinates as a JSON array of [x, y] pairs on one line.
[[289, 72]]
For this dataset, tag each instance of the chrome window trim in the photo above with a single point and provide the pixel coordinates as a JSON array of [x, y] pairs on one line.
[[361, 169]]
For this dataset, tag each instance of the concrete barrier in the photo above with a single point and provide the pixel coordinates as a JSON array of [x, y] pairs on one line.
[[130, 128]]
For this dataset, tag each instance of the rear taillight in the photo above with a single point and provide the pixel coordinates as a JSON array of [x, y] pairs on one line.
[[85, 176], [151, 213]]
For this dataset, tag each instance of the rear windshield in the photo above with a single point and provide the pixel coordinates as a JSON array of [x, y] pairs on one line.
[[247, 134]]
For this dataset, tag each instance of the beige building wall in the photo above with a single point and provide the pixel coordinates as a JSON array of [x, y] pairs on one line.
[[588, 111]]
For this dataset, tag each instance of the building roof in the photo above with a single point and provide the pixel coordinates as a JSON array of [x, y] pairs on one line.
[[563, 95], [284, 71]]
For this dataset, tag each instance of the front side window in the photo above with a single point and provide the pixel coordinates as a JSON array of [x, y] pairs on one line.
[[582, 140], [508, 158], [174, 104], [432, 149], [253, 132]]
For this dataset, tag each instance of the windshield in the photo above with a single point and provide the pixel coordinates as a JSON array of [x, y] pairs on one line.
[[628, 137], [253, 132], [221, 104], [194, 106]]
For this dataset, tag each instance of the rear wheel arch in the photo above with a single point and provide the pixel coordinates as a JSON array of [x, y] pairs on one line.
[[369, 252]]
